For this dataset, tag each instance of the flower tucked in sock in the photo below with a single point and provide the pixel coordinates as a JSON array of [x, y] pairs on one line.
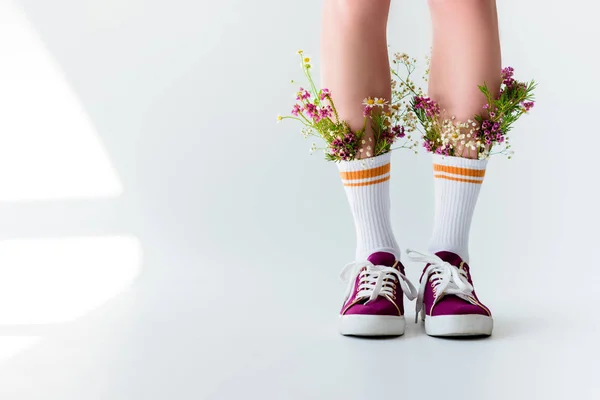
[[368, 190], [457, 184]]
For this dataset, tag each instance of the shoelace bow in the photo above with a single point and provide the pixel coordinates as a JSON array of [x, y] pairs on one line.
[[446, 279], [376, 280]]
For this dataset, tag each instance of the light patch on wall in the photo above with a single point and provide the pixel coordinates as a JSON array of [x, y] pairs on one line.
[[48, 146], [49, 281], [10, 346]]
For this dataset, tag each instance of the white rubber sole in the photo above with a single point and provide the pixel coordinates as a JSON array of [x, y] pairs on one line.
[[459, 325], [372, 325]]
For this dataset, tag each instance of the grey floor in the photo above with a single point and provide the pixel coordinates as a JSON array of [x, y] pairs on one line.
[[217, 333]]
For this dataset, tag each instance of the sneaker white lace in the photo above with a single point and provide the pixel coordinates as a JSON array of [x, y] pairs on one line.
[[376, 280], [444, 277]]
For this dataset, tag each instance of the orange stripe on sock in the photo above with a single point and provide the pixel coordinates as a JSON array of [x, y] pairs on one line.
[[369, 182], [367, 173], [451, 178], [479, 173]]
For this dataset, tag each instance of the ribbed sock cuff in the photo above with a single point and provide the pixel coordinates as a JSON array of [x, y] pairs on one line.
[[365, 172], [459, 169]]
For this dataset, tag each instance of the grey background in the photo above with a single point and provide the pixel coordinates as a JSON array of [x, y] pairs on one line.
[[214, 240]]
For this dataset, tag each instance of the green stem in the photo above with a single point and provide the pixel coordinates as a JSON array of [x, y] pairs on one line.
[[406, 83], [307, 123], [307, 74], [337, 117]]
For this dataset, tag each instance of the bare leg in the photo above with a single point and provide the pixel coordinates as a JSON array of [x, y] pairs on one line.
[[355, 65], [466, 53], [354, 57]]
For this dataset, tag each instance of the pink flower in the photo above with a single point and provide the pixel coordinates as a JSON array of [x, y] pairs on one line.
[[325, 93], [312, 112], [428, 145], [302, 94], [398, 131], [430, 107], [507, 76], [326, 112], [367, 110], [528, 105], [296, 110], [442, 150]]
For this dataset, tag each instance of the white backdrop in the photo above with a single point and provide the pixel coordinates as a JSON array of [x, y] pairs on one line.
[[162, 237]]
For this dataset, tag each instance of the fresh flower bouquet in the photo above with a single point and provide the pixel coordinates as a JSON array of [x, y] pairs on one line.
[[477, 136], [316, 110], [395, 120]]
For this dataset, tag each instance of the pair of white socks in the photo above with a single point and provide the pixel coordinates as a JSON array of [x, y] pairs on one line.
[[457, 184]]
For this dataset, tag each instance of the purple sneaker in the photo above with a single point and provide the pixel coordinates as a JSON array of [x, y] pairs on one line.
[[447, 300], [374, 304]]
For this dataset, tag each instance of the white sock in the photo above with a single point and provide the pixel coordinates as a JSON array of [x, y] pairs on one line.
[[367, 184], [457, 184]]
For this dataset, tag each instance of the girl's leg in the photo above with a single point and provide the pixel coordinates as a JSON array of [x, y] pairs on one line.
[[465, 54], [354, 58], [355, 66]]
